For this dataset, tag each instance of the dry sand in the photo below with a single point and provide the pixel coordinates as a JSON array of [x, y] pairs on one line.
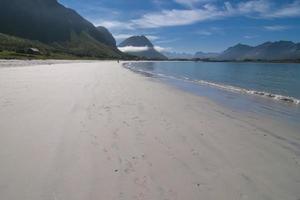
[[97, 131]]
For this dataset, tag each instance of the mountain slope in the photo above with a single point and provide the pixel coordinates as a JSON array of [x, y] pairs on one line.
[[51, 23], [275, 51], [107, 35], [236, 52], [280, 50], [142, 47]]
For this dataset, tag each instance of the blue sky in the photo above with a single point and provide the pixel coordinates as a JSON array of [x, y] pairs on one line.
[[195, 25]]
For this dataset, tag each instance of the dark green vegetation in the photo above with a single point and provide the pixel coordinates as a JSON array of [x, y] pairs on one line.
[[17, 48], [56, 31], [143, 41]]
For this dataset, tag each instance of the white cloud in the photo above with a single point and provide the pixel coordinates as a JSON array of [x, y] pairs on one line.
[[204, 32], [253, 6], [122, 36], [250, 36], [290, 10], [133, 49], [129, 49], [209, 11], [161, 49], [167, 41], [191, 3], [177, 17], [267, 9], [276, 28], [114, 25], [152, 37]]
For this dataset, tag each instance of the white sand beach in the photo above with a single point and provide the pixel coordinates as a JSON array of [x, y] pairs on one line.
[[94, 130]]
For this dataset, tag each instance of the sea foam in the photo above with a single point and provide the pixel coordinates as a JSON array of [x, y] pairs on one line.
[[230, 88]]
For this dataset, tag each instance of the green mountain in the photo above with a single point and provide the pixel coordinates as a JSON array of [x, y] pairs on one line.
[[107, 35], [142, 47], [56, 26]]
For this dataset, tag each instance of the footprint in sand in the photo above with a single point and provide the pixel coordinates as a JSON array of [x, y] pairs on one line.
[[243, 196], [297, 161], [142, 182], [115, 146], [140, 196], [115, 134], [135, 118], [173, 194], [143, 156], [106, 108], [129, 168], [126, 123], [95, 143], [7, 103], [139, 136], [105, 150], [194, 152]]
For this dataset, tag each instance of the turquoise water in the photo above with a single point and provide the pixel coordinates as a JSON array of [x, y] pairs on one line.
[[268, 88], [278, 81]]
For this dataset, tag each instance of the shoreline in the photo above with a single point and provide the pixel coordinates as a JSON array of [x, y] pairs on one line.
[[149, 60], [234, 89], [98, 131]]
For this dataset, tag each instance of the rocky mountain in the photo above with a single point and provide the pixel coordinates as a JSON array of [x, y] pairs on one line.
[[280, 50], [136, 41], [141, 46], [49, 22]]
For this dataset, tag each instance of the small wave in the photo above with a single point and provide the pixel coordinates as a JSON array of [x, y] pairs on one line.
[[219, 86], [143, 72], [251, 92]]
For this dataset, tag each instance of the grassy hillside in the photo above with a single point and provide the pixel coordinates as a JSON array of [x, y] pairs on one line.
[[56, 31], [80, 47], [45, 20]]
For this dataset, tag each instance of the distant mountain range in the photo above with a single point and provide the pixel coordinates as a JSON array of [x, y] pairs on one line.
[[54, 25], [176, 55], [269, 51], [203, 55], [142, 47]]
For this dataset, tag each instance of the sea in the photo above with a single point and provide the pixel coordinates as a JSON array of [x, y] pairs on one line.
[[267, 89]]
